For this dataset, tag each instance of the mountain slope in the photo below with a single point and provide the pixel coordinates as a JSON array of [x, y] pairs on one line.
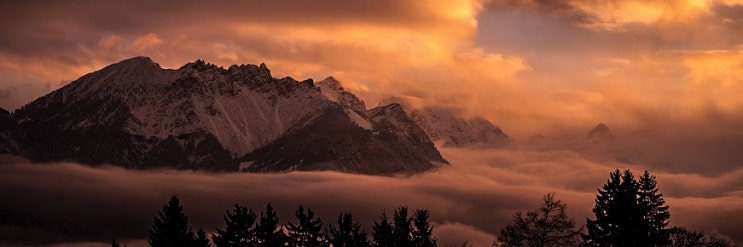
[[391, 148], [8, 130], [454, 131], [200, 116]]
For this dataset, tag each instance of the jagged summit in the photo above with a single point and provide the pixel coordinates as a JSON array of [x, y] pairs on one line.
[[135, 62], [201, 116], [453, 130], [332, 89], [446, 126], [332, 83], [601, 132]]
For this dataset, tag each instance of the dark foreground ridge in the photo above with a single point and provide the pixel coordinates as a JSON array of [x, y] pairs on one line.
[[135, 114]]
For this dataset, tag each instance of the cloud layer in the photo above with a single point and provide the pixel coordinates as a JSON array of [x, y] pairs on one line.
[[469, 201]]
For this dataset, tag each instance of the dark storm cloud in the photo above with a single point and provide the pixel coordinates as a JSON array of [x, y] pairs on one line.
[[560, 9], [36, 28]]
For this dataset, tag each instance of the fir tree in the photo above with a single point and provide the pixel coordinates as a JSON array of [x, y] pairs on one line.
[[423, 233], [628, 213], [307, 232], [239, 231], [402, 232], [382, 232], [348, 233], [268, 232], [201, 240], [656, 213], [170, 228]]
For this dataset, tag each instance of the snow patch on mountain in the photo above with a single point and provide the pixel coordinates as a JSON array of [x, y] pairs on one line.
[[359, 120], [453, 130]]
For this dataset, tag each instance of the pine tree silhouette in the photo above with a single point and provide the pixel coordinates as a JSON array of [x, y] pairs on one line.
[[239, 230], [201, 239], [170, 228], [268, 232], [382, 232], [423, 233], [402, 232], [656, 213], [628, 213], [348, 233], [307, 232]]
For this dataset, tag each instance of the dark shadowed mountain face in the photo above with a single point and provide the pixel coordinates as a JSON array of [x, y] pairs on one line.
[[8, 129], [393, 145], [137, 115]]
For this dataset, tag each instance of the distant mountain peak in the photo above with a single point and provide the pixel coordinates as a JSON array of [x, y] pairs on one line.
[[135, 63], [331, 83], [601, 131], [452, 130], [332, 89]]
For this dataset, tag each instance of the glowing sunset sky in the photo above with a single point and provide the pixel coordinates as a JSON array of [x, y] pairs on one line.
[[529, 66], [665, 75]]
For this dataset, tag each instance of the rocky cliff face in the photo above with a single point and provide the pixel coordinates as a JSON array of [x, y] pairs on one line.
[[200, 116]]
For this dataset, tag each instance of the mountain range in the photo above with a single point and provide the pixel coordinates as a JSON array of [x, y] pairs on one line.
[[200, 116]]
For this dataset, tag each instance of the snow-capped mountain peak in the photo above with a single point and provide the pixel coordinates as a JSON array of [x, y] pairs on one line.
[[201, 116]]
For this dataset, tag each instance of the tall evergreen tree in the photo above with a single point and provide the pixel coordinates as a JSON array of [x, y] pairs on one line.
[[547, 226], [239, 230], [656, 213], [170, 228], [308, 231], [201, 240], [628, 213], [423, 233], [402, 231], [348, 233], [268, 231], [382, 232]]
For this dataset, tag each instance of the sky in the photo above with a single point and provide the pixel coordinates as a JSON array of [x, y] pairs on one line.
[[664, 75]]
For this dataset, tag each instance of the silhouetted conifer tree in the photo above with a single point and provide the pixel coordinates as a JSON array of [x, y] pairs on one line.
[[423, 233], [656, 213], [348, 233], [201, 240], [628, 213], [402, 232], [170, 228], [268, 232], [547, 226], [239, 230], [382, 232], [308, 231]]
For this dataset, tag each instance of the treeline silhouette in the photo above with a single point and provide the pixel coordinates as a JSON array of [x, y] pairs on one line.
[[628, 212]]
